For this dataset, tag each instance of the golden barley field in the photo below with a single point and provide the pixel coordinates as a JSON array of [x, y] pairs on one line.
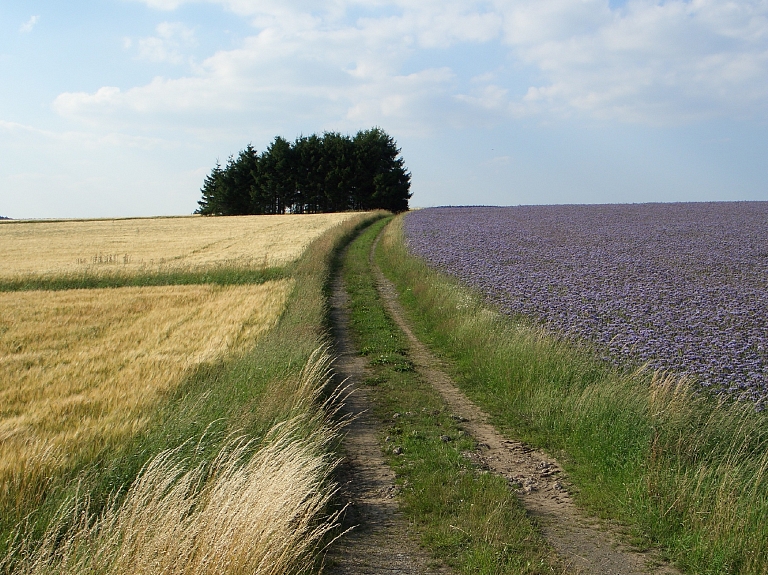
[[125, 246], [78, 368]]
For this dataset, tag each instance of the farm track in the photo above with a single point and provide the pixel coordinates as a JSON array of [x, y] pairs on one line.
[[586, 546], [379, 542]]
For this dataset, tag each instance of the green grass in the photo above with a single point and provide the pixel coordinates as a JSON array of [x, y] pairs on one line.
[[465, 516], [243, 395], [682, 472], [219, 275]]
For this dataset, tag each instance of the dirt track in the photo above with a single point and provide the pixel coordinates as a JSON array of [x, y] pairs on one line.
[[381, 543]]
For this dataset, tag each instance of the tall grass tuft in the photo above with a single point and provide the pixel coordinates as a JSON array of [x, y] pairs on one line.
[[248, 512], [706, 476], [257, 507]]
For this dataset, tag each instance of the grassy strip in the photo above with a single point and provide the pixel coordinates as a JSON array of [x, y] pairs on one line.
[[685, 473], [245, 395], [466, 516], [215, 275]]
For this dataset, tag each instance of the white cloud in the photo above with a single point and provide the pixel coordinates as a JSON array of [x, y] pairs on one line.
[[167, 46], [26, 28], [69, 103], [650, 61], [296, 67]]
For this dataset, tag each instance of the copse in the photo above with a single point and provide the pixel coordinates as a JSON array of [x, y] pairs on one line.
[[314, 174]]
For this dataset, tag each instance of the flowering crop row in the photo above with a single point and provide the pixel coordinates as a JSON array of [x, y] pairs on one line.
[[681, 287]]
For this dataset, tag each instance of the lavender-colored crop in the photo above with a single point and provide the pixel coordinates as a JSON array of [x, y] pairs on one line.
[[681, 287]]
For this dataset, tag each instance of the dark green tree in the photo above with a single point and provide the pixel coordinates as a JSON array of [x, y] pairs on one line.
[[382, 179], [328, 173], [210, 203], [233, 186], [339, 168], [241, 179], [309, 174], [277, 182]]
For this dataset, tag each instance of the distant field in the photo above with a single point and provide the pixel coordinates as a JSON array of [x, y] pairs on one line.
[[153, 244], [679, 287], [79, 367]]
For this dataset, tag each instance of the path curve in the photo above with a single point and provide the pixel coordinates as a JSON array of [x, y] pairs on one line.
[[584, 545], [379, 542]]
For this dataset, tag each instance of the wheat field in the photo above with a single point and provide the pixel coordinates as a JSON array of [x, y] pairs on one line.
[[86, 374], [78, 368], [128, 246]]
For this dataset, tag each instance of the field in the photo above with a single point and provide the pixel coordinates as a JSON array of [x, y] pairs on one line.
[[681, 470], [83, 366], [676, 287], [147, 415], [184, 419], [106, 247]]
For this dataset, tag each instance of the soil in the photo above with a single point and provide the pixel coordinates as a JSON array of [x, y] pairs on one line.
[[380, 541]]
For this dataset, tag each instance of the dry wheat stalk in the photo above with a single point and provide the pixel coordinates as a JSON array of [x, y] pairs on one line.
[[150, 244], [80, 367], [258, 508]]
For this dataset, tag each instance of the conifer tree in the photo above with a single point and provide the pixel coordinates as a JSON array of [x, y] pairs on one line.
[[328, 173], [209, 204]]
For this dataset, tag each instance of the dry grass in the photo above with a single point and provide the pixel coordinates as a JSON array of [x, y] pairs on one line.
[[152, 244], [79, 368], [260, 513], [259, 507]]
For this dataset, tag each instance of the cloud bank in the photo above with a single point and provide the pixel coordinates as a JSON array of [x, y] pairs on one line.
[[399, 62]]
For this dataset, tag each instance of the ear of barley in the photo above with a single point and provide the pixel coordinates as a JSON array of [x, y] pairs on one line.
[[172, 244], [80, 368]]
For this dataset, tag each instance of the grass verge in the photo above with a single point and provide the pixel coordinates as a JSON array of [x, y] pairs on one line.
[[219, 275], [246, 395], [681, 471], [465, 516]]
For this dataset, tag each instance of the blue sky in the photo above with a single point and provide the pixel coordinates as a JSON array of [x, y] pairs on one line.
[[121, 107]]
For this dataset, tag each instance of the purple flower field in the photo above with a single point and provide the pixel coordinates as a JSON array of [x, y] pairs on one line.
[[682, 287]]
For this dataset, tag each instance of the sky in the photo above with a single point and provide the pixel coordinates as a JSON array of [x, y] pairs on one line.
[[112, 108]]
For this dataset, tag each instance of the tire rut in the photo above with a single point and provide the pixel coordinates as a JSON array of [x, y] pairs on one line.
[[379, 542], [586, 546]]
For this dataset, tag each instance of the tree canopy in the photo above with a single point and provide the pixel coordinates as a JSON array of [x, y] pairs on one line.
[[314, 174]]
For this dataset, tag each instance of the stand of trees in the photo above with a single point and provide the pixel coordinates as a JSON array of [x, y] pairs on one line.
[[314, 174]]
